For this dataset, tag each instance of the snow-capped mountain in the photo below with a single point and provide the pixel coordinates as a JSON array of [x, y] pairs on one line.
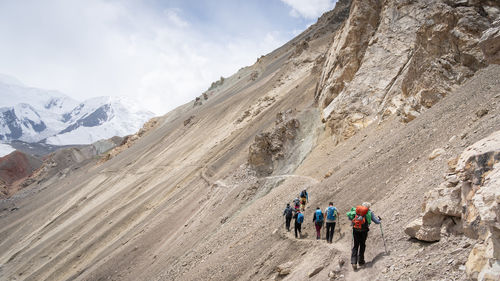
[[101, 118], [34, 115]]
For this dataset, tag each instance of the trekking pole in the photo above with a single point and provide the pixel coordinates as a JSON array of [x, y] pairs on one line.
[[383, 239]]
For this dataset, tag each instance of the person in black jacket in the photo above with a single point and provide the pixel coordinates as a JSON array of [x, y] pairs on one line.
[[288, 213]]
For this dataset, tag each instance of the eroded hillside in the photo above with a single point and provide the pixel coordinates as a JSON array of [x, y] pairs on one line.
[[350, 110]]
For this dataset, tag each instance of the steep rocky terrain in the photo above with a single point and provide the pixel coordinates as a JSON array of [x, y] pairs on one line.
[[374, 103]]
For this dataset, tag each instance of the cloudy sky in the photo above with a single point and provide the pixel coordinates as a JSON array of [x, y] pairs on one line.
[[164, 52]]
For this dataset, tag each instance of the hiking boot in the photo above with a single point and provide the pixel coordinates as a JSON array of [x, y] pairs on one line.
[[361, 263], [354, 266]]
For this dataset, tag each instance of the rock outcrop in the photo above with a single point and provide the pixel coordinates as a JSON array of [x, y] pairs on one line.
[[269, 147], [470, 198], [430, 46], [490, 43], [14, 168]]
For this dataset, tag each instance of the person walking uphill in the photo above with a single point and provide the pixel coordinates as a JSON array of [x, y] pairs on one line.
[[361, 218], [296, 203], [331, 219], [304, 198], [288, 213], [299, 219], [318, 222]]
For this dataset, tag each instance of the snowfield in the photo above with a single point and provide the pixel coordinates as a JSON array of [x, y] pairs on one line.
[[5, 149]]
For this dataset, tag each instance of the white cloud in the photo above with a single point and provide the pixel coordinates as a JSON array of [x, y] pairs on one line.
[[309, 9], [101, 47]]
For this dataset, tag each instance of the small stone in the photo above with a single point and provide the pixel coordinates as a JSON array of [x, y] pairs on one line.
[[284, 269], [315, 271], [481, 112], [436, 153]]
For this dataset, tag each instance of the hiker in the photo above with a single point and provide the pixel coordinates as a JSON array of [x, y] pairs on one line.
[[299, 219], [318, 222], [304, 197], [361, 218], [331, 219], [288, 213], [296, 203]]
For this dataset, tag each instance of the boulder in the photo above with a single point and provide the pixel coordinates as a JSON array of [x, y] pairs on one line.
[[413, 227], [429, 233], [444, 200], [475, 262]]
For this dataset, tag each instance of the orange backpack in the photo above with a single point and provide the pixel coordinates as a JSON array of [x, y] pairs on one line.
[[359, 220]]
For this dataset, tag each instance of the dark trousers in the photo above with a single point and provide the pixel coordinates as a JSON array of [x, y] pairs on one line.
[[358, 250], [298, 227], [318, 229], [287, 222], [330, 228]]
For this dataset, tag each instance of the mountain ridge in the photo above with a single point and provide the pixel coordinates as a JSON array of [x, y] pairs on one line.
[[363, 106], [35, 115]]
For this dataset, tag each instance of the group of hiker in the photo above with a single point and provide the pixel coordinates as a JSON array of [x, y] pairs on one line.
[[361, 217]]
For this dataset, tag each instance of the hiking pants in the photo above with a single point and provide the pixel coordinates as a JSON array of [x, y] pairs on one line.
[[287, 222], [318, 229], [358, 250], [298, 227], [330, 227]]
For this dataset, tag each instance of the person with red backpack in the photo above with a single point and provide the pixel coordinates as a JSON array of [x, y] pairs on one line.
[[361, 218], [318, 219], [331, 219]]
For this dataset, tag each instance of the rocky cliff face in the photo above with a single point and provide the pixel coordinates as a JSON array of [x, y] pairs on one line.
[[467, 203], [400, 57], [374, 103]]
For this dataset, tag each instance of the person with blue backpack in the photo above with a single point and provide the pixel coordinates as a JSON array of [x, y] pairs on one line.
[[331, 219], [299, 219], [318, 220]]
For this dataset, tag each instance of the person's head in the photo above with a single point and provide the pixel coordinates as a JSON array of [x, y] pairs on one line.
[[288, 204], [367, 204], [331, 204], [317, 208]]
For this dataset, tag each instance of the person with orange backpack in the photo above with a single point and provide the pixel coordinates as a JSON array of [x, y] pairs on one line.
[[361, 218]]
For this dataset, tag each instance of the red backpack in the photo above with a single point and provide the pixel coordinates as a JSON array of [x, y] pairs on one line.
[[359, 220]]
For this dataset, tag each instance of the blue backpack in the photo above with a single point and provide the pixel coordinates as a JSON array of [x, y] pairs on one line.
[[300, 218], [319, 216], [331, 213]]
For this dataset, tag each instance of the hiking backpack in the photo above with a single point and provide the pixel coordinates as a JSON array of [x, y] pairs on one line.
[[330, 213], [303, 194], [359, 222], [296, 202], [319, 216], [289, 212], [300, 218]]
